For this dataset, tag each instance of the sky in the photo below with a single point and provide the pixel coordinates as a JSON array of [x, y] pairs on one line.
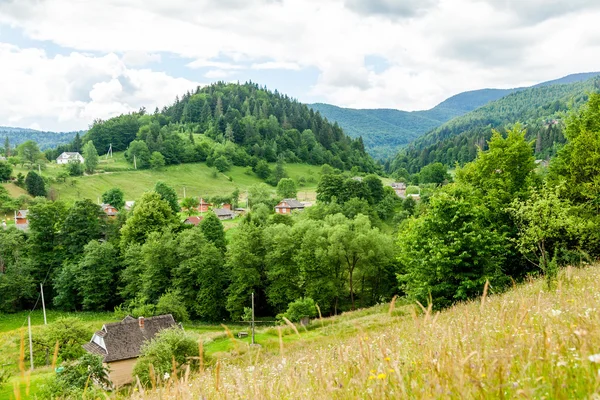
[[65, 63]]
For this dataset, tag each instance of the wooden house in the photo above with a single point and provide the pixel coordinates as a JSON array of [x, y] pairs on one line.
[[109, 210], [400, 189], [119, 344], [223, 213], [203, 206], [21, 219], [193, 220], [287, 206], [226, 206]]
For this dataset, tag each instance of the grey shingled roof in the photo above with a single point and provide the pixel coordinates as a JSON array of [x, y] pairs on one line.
[[221, 212], [293, 203], [123, 340]]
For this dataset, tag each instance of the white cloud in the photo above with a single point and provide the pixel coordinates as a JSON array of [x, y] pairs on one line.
[[432, 49], [69, 92]]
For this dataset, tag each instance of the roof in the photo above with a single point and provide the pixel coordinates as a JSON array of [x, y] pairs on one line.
[[123, 340], [105, 208], [292, 203], [399, 185], [194, 220], [222, 212], [22, 213], [69, 154]]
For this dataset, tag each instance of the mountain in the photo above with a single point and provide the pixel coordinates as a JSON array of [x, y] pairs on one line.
[[384, 131], [240, 124], [44, 139], [540, 108]]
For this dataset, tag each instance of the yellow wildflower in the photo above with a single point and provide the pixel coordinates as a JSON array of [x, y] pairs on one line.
[[381, 376]]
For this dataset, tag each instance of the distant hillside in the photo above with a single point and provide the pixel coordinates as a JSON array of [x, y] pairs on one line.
[[45, 140], [540, 108], [384, 131], [241, 125]]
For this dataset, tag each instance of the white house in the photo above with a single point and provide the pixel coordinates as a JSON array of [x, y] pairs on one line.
[[68, 157]]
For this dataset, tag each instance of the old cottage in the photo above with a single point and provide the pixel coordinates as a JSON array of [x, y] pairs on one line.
[[400, 189], [223, 213], [119, 343], [193, 220], [109, 210], [287, 206], [203, 206]]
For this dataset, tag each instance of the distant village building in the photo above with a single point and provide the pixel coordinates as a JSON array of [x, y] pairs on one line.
[[542, 163], [226, 206], [223, 213], [414, 196], [2, 158], [119, 344], [21, 219], [129, 205], [400, 189], [193, 220], [287, 206], [109, 210], [68, 157], [203, 206]]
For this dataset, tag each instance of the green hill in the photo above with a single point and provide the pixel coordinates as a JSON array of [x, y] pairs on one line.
[[540, 108], [384, 131], [238, 124], [44, 139]]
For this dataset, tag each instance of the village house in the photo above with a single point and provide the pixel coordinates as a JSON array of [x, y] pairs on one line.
[[193, 220], [203, 206], [400, 189], [129, 205], [21, 220], [119, 344], [286, 206], [109, 210], [223, 213], [67, 157], [226, 206]]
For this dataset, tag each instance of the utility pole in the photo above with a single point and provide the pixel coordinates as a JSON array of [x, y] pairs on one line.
[[184, 192], [134, 163], [252, 320], [43, 304], [30, 343]]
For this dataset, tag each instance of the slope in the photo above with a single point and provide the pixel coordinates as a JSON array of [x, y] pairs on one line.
[[44, 139], [528, 342], [540, 108], [384, 131]]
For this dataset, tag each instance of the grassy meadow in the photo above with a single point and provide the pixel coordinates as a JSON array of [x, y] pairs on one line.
[[527, 343], [197, 179]]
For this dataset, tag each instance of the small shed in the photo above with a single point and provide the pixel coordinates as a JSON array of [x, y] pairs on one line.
[[223, 213], [203, 206], [68, 156], [21, 219], [287, 206], [119, 343], [400, 189]]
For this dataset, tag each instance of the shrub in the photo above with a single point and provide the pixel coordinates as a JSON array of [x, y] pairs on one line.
[[172, 343], [171, 303], [78, 377], [74, 168], [301, 308]]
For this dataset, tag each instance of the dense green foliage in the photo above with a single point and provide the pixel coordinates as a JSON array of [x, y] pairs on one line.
[[240, 125], [35, 184], [77, 379], [168, 347], [114, 197], [45, 140], [541, 108]]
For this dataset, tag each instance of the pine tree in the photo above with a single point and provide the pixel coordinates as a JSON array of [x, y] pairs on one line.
[[219, 108], [6, 147], [76, 146], [212, 228]]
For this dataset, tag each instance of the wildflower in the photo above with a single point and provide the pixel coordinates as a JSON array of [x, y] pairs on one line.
[[371, 377], [595, 358], [483, 375], [381, 376], [555, 313], [580, 332], [561, 364], [166, 376], [391, 371], [372, 371], [387, 359]]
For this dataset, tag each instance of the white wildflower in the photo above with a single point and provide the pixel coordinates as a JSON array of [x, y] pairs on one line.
[[555, 313], [166, 376], [561, 364], [595, 358]]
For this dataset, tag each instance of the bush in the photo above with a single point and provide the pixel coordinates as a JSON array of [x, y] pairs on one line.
[[75, 168], [169, 344], [171, 303], [301, 308], [69, 332], [78, 377]]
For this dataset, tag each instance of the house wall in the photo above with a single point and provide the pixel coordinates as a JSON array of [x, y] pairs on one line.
[[121, 372]]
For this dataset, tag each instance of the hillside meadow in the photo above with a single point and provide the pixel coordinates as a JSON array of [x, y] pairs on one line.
[[529, 342], [197, 178]]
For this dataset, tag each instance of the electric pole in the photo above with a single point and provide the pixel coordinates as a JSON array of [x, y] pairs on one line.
[[252, 319]]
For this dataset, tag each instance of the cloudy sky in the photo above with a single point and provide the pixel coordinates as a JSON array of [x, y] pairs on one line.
[[64, 63]]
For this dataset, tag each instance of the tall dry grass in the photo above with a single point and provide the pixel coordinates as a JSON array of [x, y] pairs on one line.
[[527, 343]]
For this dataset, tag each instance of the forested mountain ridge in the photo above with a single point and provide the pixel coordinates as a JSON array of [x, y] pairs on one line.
[[539, 108], [384, 131], [242, 124], [44, 139]]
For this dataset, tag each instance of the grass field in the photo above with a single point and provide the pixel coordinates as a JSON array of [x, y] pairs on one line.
[[527, 343], [197, 179]]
